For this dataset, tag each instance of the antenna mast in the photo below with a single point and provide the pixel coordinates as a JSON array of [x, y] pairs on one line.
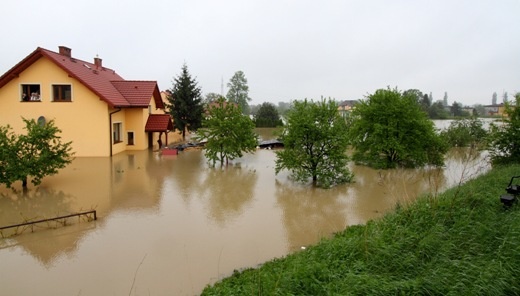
[[222, 86]]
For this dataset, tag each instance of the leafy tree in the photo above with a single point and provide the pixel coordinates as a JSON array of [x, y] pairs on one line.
[[315, 143], [505, 137], [211, 97], [238, 91], [465, 132], [389, 129], [283, 108], [437, 111], [36, 154], [479, 109], [228, 132], [253, 109], [414, 93], [267, 116], [185, 103]]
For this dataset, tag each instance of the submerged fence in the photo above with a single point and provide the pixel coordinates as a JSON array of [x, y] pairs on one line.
[[91, 215]]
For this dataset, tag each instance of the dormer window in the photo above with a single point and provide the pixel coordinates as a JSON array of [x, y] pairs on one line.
[[61, 93], [30, 93]]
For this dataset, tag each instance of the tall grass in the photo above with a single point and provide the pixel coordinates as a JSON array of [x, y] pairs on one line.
[[461, 242]]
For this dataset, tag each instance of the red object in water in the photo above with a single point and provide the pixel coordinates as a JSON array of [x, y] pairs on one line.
[[169, 152]]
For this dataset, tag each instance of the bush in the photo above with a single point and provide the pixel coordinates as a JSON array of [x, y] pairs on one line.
[[504, 139], [465, 132]]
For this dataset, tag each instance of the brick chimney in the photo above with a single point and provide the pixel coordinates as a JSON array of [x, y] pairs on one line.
[[98, 62], [65, 51]]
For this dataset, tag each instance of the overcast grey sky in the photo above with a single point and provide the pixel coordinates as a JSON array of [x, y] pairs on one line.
[[287, 49]]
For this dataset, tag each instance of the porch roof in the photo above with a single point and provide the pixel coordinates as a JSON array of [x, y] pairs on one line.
[[159, 123]]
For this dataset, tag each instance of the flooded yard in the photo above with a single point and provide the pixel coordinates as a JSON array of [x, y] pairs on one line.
[[170, 225]]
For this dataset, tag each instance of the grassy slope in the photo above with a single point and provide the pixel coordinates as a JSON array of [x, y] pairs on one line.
[[459, 243]]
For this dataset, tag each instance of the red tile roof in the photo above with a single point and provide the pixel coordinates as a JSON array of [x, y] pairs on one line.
[[158, 123], [138, 93], [104, 82]]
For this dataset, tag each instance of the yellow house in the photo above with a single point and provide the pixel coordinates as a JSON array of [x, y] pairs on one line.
[[95, 108]]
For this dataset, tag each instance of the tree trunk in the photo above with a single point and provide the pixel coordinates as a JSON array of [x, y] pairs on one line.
[[314, 180], [24, 182]]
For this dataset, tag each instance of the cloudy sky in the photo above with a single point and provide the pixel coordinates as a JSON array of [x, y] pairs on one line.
[[287, 49]]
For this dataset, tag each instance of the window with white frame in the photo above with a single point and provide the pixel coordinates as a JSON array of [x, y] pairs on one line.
[[130, 138], [30, 93]]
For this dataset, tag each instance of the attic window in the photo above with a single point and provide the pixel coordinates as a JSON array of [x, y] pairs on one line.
[[61, 93], [30, 93]]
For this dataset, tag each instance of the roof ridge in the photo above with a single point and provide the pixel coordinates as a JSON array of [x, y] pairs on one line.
[[74, 59]]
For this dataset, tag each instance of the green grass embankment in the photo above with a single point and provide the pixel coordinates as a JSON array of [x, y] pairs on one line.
[[461, 242]]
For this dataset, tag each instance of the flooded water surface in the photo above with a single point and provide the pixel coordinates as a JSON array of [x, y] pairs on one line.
[[170, 225]]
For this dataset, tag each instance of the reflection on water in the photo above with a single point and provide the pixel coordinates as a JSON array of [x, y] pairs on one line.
[[188, 223]]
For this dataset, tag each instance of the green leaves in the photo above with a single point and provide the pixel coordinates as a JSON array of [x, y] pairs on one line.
[[38, 153], [227, 131], [504, 139], [267, 116], [238, 91], [315, 140], [389, 129]]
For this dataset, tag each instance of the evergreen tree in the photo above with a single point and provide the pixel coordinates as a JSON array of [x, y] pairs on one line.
[[456, 110], [267, 116], [494, 99], [445, 99], [185, 103], [238, 91]]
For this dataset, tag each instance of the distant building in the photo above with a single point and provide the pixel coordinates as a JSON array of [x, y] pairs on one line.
[[495, 110], [345, 107]]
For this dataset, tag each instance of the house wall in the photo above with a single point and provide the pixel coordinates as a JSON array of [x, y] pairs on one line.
[[135, 122], [84, 121], [173, 136]]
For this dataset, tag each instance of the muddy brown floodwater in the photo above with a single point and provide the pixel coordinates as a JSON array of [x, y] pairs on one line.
[[171, 225]]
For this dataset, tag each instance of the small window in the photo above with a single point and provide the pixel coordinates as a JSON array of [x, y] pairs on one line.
[[130, 138], [116, 132], [61, 93], [30, 93]]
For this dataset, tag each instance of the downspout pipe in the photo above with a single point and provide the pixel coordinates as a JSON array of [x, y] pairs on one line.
[[110, 128]]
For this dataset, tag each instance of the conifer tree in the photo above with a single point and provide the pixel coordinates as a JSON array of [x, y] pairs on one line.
[[185, 103]]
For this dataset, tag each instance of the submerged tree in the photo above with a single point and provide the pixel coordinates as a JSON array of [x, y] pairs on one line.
[[388, 129], [36, 154], [185, 103], [465, 132], [315, 143], [228, 132]]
